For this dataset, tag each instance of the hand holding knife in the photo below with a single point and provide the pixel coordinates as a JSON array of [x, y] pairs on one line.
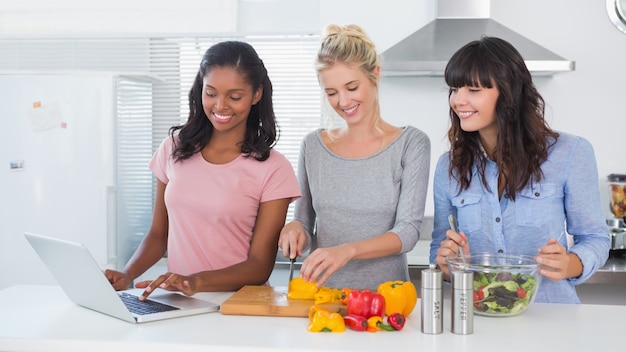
[[292, 237]]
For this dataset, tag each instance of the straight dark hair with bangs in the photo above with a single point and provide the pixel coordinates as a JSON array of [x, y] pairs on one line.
[[261, 127], [524, 137]]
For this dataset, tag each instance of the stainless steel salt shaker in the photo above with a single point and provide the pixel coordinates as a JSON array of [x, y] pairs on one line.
[[462, 302], [431, 302]]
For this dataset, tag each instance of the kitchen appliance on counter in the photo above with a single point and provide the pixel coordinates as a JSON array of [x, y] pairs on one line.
[[617, 203], [617, 231]]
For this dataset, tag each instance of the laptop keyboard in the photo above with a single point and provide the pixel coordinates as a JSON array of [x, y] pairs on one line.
[[136, 306]]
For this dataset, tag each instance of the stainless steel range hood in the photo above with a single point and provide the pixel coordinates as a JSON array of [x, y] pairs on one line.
[[427, 51]]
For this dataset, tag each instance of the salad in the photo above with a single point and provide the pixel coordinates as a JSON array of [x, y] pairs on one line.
[[503, 293]]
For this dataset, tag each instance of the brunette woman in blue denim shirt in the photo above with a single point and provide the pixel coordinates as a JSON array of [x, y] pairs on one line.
[[513, 183]]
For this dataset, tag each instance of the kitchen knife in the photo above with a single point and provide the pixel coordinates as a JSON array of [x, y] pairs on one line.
[[291, 261]]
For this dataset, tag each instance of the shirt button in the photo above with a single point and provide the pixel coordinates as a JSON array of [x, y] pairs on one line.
[[462, 201], [500, 251], [497, 219], [537, 194]]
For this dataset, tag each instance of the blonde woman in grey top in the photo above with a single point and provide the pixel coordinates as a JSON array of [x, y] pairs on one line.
[[363, 184]]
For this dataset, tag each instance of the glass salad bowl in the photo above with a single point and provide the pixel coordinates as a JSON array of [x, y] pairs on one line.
[[504, 284]]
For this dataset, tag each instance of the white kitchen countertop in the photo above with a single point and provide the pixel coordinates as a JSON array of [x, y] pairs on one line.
[[41, 318]]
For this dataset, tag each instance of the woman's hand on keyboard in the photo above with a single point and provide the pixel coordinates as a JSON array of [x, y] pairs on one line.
[[168, 281]]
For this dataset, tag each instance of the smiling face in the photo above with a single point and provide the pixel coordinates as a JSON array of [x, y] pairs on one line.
[[476, 108], [350, 92], [227, 99]]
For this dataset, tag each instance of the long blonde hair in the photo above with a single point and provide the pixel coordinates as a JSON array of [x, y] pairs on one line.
[[351, 46]]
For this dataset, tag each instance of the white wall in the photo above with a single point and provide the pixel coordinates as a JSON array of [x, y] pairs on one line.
[[587, 101], [79, 17]]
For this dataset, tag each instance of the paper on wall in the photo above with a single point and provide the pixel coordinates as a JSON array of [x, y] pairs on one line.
[[45, 116]]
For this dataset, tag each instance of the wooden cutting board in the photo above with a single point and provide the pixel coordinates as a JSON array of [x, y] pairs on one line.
[[271, 301]]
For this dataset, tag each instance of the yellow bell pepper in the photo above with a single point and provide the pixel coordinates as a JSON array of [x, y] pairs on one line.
[[327, 295], [300, 289], [323, 295], [336, 295], [323, 320], [400, 297]]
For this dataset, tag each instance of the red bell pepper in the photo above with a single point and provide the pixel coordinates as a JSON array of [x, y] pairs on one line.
[[366, 303], [355, 322], [396, 320]]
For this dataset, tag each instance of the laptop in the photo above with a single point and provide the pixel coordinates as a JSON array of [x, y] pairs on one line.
[[82, 279]]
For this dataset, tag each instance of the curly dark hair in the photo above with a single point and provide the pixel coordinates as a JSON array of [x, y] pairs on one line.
[[261, 127], [524, 137]]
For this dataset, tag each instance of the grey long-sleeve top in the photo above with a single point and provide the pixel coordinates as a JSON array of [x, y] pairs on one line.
[[346, 200]]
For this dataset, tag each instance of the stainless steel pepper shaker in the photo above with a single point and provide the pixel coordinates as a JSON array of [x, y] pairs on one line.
[[431, 302], [462, 302]]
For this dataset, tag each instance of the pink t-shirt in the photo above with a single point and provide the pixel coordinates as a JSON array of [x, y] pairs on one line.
[[212, 208]]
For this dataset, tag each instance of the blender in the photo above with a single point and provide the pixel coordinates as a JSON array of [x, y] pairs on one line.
[[617, 202]]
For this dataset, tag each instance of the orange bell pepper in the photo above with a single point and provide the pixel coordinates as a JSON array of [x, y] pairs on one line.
[[375, 323], [400, 297], [344, 295]]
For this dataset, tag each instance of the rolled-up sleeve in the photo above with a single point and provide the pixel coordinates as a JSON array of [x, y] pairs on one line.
[[585, 218]]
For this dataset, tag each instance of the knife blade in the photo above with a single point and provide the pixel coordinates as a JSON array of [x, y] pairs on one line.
[[291, 261]]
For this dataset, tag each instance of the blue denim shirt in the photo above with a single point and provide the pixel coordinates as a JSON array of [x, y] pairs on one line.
[[567, 197]]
